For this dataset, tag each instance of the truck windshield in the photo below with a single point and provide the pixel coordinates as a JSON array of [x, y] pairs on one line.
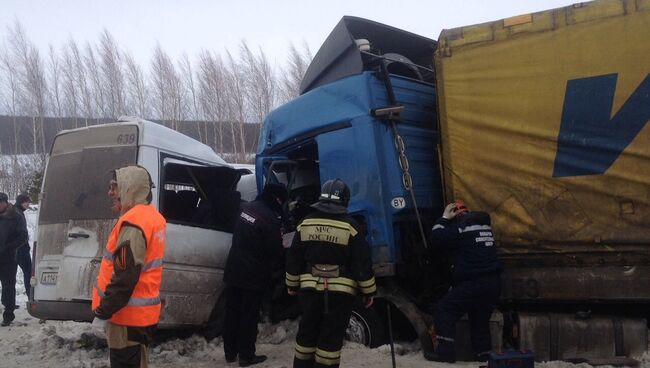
[[79, 169]]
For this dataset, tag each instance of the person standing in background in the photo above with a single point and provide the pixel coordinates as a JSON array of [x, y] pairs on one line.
[[23, 256], [13, 234]]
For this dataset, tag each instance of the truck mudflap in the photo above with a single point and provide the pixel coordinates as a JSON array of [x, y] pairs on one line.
[[65, 311], [555, 336]]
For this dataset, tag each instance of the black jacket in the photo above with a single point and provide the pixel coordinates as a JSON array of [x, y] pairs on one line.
[[13, 234], [334, 240], [22, 213], [256, 250], [469, 241]]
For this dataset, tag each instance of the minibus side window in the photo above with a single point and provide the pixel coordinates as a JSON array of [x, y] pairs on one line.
[[200, 196]]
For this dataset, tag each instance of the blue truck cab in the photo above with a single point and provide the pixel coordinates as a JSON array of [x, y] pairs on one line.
[[363, 102]]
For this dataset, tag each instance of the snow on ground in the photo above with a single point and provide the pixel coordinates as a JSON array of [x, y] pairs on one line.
[[28, 343]]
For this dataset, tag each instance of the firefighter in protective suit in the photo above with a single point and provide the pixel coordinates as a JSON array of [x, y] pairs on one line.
[[467, 238], [327, 265]]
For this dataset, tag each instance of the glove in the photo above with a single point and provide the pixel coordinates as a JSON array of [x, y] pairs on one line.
[[98, 328], [450, 211]]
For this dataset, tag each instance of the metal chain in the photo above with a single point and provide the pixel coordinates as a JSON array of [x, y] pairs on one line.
[[407, 180]]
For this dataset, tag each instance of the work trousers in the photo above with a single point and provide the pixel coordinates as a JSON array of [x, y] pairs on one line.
[[320, 333], [476, 298], [24, 260], [8, 282], [240, 325], [124, 351], [135, 356]]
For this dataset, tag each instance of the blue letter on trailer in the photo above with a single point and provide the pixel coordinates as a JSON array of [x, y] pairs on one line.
[[590, 140]]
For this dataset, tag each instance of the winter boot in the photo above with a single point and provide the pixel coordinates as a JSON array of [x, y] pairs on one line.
[[254, 360]]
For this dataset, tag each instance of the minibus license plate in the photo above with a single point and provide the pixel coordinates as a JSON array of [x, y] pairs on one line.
[[49, 278]]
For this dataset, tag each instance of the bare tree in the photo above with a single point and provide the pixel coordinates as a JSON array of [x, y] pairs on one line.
[[96, 89], [71, 93], [24, 87], [162, 98], [189, 88], [56, 94], [80, 78], [111, 74], [32, 78], [12, 88], [179, 98], [236, 104], [260, 89], [292, 74], [3, 102], [212, 96], [137, 88]]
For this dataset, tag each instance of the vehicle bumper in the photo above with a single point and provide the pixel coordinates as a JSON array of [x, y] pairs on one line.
[[67, 311]]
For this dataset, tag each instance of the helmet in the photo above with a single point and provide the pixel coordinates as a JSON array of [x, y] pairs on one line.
[[334, 197]]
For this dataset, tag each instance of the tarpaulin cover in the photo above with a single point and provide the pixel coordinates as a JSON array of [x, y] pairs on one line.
[[544, 124]]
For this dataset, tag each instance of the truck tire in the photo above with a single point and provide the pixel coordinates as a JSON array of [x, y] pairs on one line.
[[366, 327]]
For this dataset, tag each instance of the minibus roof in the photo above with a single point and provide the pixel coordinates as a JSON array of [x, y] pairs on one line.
[[158, 136]]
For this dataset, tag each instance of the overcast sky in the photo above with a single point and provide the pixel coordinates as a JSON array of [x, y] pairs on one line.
[[191, 25]]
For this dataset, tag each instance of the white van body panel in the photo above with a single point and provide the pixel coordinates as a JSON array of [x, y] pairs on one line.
[[193, 273]]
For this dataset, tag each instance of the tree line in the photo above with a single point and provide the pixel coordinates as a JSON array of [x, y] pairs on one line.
[[87, 84]]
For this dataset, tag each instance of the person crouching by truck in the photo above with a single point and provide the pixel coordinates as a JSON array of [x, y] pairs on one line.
[[256, 252], [328, 264], [467, 238], [126, 298]]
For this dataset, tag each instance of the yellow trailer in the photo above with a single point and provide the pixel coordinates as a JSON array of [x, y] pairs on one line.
[[543, 122]]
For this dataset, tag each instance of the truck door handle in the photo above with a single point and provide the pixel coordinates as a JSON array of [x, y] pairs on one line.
[[78, 235]]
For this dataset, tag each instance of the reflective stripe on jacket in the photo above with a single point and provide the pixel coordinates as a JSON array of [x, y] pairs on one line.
[[143, 308], [332, 241]]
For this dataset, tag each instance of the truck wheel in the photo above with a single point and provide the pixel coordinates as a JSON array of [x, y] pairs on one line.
[[366, 327]]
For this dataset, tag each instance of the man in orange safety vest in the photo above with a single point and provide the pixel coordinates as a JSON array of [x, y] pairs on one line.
[[126, 297]]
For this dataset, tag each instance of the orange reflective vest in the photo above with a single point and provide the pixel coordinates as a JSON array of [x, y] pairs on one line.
[[143, 308]]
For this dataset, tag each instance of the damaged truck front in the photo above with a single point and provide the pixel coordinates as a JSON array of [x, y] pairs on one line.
[[194, 189], [537, 119]]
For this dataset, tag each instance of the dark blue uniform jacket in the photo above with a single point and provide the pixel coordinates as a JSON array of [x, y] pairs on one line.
[[469, 241], [256, 250]]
